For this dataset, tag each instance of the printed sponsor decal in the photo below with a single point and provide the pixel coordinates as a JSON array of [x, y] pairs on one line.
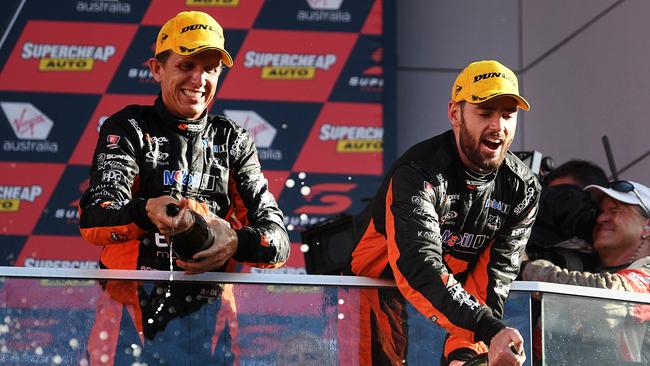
[[520, 231], [195, 180], [23, 194], [494, 222], [108, 105], [113, 141], [347, 137], [298, 66], [497, 205], [530, 193], [157, 157], [463, 240], [41, 61]]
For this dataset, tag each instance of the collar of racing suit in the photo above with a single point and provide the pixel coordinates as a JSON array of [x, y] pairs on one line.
[[185, 126]]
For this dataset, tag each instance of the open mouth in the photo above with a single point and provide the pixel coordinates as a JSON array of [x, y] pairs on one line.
[[492, 143]]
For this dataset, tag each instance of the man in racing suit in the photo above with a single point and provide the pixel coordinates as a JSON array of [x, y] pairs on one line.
[[152, 159], [452, 218], [175, 153]]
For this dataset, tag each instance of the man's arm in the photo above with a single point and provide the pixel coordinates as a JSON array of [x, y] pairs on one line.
[[415, 256], [108, 213], [636, 279], [263, 241]]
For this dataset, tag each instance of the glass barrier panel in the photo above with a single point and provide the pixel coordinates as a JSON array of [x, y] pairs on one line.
[[588, 331], [151, 322]]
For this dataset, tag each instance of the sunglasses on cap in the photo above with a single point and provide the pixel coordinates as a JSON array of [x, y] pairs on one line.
[[625, 187]]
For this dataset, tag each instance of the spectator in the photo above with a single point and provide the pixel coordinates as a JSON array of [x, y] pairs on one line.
[[621, 238], [563, 229], [622, 241], [579, 173]]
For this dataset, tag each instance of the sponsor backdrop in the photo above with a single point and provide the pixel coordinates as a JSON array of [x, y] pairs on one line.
[[308, 84]]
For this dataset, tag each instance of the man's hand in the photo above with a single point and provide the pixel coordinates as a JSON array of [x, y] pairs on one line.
[[500, 352], [168, 225], [223, 247]]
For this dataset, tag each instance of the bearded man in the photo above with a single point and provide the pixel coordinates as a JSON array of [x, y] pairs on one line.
[[452, 218]]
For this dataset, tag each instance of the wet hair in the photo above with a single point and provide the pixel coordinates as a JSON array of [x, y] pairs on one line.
[[582, 171]]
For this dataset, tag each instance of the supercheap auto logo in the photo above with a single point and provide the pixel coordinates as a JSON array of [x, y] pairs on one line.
[[285, 65], [12, 195], [48, 54], [346, 138], [61, 57], [288, 66], [24, 190], [353, 138]]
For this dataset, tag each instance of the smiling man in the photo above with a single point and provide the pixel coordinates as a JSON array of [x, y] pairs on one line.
[[174, 153], [452, 218]]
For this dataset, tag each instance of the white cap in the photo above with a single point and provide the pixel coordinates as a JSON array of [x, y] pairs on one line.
[[597, 192]]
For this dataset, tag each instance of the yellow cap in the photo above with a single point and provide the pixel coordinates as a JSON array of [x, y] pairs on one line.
[[483, 80], [190, 32]]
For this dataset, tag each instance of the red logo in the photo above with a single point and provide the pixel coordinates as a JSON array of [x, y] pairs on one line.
[[331, 199], [66, 56], [428, 187], [113, 139]]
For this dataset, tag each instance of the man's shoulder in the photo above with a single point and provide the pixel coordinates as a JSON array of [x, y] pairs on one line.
[[218, 120], [132, 117], [520, 170], [435, 152]]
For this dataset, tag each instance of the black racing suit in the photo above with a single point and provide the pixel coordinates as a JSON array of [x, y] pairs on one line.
[[144, 152], [452, 240]]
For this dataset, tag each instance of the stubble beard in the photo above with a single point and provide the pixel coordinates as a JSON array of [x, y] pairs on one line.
[[472, 149]]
